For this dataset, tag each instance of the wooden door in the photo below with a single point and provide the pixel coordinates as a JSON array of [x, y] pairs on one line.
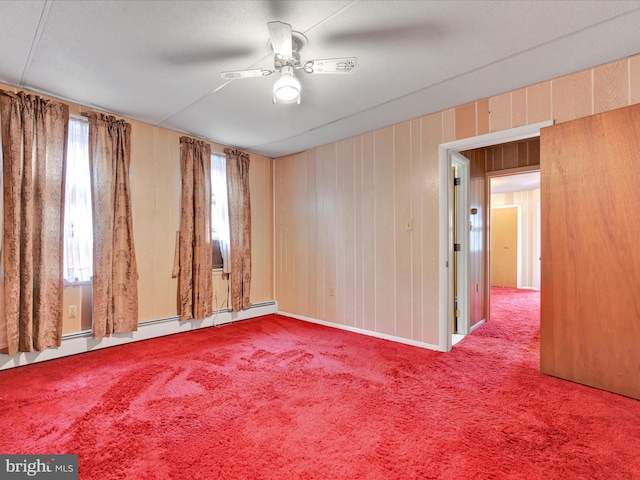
[[504, 247], [590, 208]]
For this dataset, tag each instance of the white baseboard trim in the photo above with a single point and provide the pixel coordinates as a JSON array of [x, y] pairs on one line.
[[476, 325], [82, 342], [384, 336]]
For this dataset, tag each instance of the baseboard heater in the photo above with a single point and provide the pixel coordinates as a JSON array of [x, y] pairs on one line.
[[81, 342]]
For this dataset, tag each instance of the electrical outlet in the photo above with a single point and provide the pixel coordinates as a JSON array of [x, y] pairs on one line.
[[332, 292], [73, 311]]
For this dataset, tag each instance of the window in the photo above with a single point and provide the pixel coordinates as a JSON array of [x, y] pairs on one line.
[[219, 212], [78, 227]]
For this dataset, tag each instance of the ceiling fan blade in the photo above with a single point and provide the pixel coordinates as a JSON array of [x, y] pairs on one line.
[[331, 65], [280, 34], [206, 55], [238, 74]]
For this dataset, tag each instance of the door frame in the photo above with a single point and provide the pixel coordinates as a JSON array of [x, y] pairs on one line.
[[462, 222], [445, 215]]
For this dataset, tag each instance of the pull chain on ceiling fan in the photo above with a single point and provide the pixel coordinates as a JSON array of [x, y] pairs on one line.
[[287, 46]]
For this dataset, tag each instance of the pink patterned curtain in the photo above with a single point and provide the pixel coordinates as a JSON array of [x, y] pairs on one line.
[[239, 228], [34, 139], [195, 248], [115, 274]]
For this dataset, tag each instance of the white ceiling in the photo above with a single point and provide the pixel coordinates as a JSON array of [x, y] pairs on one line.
[[520, 182], [160, 61]]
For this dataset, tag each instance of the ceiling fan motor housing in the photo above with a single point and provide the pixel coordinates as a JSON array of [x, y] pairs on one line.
[[287, 45], [292, 61]]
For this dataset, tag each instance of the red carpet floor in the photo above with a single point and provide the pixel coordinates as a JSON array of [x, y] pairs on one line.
[[276, 398]]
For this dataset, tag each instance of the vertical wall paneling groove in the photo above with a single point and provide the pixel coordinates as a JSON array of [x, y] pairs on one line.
[[376, 224], [394, 227], [299, 238], [277, 218], [629, 67], [321, 246], [368, 220], [403, 236], [340, 225], [274, 243], [332, 241], [311, 202], [358, 238], [475, 119], [350, 270], [279, 230], [278, 246], [416, 234], [634, 80], [593, 96], [551, 113]]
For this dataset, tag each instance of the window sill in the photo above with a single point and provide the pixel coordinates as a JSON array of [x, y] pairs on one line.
[[78, 284]]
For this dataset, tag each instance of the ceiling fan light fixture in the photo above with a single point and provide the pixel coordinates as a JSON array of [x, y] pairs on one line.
[[287, 87], [287, 45]]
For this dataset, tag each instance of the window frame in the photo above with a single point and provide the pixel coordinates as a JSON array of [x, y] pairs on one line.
[[215, 240], [76, 282]]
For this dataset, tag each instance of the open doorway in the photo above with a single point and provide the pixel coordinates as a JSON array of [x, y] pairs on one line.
[[514, 229], [476, 274], [514, 236]]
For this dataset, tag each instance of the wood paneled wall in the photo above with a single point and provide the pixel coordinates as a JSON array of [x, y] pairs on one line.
[[155, 175], [524, 153], [343, 253]]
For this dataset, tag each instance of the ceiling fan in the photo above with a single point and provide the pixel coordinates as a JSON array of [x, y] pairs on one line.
[[287, 46]]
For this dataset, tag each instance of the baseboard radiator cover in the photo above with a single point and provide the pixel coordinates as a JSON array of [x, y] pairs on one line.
[[81, 342], [361, 331]]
